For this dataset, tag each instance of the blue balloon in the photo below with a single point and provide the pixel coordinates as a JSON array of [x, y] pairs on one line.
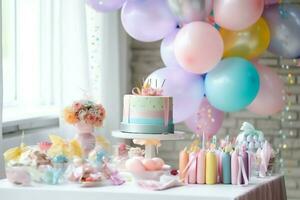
[[232, 85]]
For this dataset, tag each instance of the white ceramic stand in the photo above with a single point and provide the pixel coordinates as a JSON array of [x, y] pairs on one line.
[[150, 150]]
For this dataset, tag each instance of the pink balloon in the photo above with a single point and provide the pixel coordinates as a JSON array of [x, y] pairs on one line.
[[207, 119], [198, 47], [237, 14], [271, 92]]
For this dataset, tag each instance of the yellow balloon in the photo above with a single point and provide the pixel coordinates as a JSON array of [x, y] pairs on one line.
[[249, 43]]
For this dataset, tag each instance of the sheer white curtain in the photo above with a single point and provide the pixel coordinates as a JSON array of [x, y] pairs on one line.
[[93, 60], [1, 99], [71, 54], [115, 76]]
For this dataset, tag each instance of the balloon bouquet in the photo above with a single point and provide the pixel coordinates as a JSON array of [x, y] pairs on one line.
[[209, 48]]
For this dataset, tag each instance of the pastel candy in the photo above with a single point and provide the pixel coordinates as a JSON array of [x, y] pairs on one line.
[[226, 168], [249, 138], [255, 137], [257, 145], [192, 176], [183, 161], [211, 168], [201, 167], [251, 145], [234, 167]]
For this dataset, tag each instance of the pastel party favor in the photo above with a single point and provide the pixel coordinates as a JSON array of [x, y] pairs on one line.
[[211, 168], [201, 166], [61, 146], [18, 175], [192, 169], [250, 137], [219, 163], [234, 167], [245, 159], [226, 168], [183, 162]]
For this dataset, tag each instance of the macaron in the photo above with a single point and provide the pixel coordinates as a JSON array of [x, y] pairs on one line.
[[134, 165]]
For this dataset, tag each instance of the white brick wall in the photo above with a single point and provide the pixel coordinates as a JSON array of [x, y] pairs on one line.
[[146, 59]]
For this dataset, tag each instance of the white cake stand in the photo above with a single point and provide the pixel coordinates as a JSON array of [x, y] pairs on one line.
[[149, 149]]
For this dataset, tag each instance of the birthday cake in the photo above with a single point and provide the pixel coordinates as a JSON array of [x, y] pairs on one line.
[[147, 114]]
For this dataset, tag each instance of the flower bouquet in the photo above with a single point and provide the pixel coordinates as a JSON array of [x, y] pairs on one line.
[[85, 115]]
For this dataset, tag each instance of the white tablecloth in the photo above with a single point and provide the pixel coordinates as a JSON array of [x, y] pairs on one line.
[[271, 188]]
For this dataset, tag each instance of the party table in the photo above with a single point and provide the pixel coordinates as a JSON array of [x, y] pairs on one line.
[[270, 188]]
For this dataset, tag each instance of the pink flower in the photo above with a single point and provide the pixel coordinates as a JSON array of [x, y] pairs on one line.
[[77, 106]]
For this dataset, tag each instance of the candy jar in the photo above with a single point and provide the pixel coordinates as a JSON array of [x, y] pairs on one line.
[[18, 175]]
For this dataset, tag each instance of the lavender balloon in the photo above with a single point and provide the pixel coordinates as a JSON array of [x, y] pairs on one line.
[[186, 89], [167, 50], [105, 5], [147, 20], [284, 24], [207, 119]]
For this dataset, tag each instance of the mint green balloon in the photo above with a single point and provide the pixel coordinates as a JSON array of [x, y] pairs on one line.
[[232, 85]]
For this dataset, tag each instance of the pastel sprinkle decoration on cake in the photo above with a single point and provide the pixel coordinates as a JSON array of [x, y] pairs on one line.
[[147, 111]]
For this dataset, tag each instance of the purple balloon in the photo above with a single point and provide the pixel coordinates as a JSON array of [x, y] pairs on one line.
[[167, 50], [147, 20], [105, 5], [187, 90], [207, 119]]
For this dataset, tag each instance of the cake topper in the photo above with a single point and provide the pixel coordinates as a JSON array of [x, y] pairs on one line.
[[147, 88]]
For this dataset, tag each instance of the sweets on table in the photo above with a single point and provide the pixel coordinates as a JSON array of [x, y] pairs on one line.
[[229, 163]]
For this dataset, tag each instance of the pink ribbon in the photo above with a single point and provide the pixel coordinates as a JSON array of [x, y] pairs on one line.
[[187, 169], [265, 159], [166, 111], [147, 91], [242, 171]]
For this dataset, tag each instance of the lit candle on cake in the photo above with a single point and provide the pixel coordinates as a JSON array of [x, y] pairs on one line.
[[183, 161]]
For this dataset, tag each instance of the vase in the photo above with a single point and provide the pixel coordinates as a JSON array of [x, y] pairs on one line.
[[86, 138]]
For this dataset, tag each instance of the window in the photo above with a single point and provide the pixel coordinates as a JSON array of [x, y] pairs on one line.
[[28, 67], [39, 54]]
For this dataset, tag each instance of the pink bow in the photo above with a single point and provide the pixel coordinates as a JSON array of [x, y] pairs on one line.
[[187, 169], [147, 91], [265, 158], [242, 171]]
